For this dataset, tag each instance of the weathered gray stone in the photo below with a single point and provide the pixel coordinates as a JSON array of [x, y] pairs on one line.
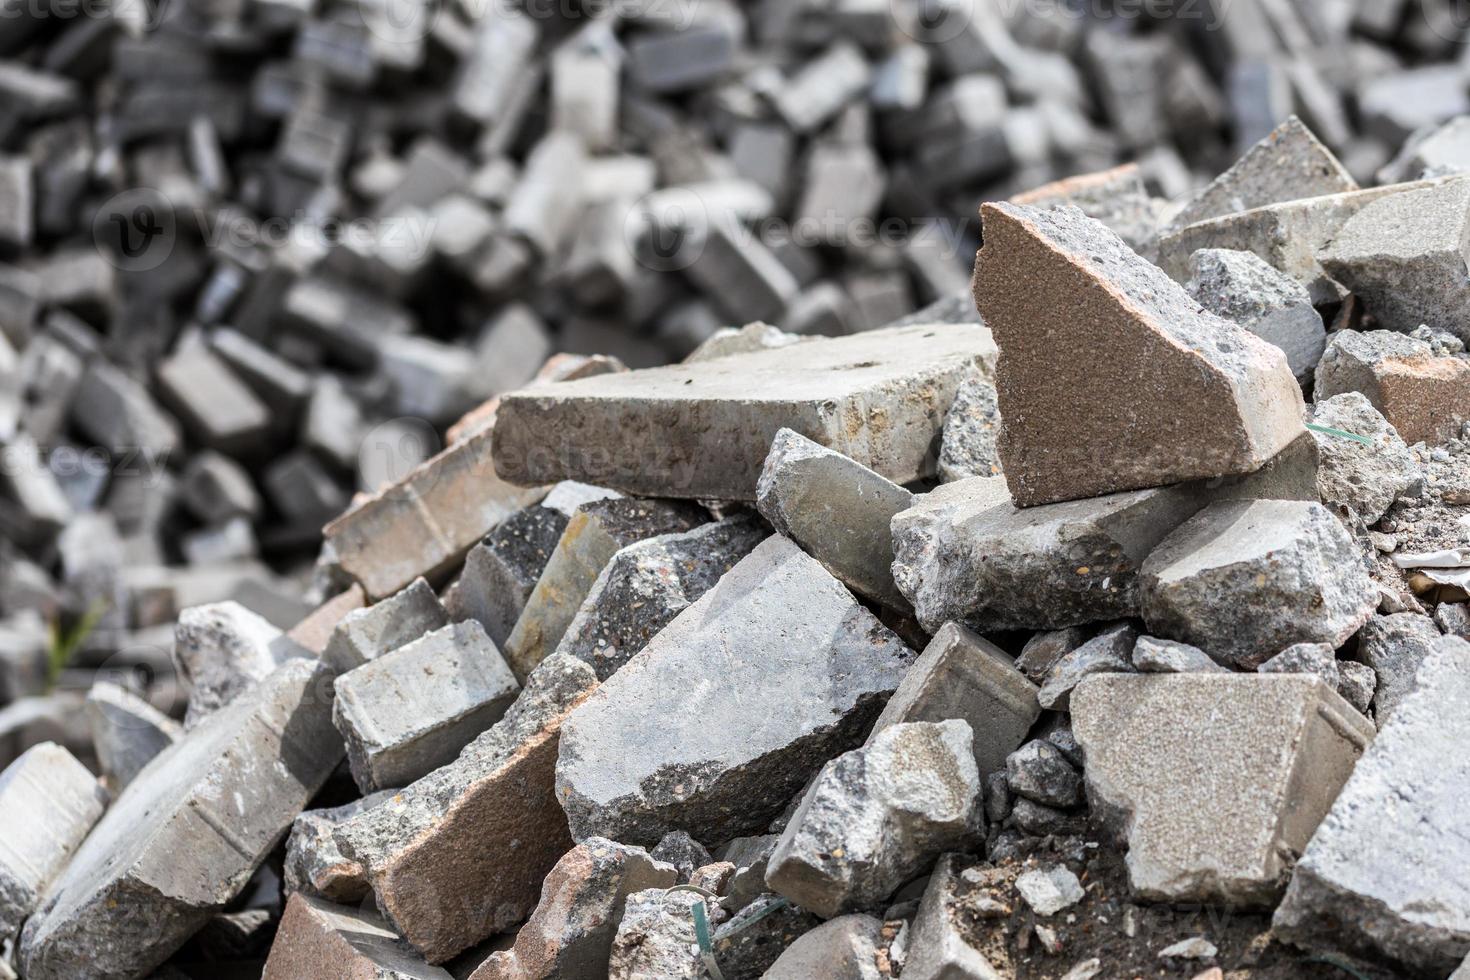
[[1288, 165], [316, 937], [1366, 478], [1049, 890], [364, 635], [1423, 394], [186, 835], [971, 443], [838, 510], [410, 711], [116, 411], [650, 753], [648, 583], [750, 855], [1038, 771], [460, 855], [648, 431], [1434, 152], [1394, 646], [964, 552], [846, 948], [962, 675], [1110, 652], [877, 815], [1039, 820], [127, 732], [571, 932], [1117, 197], [683, 852], [1453, 619], [49, 802], [1216, 782], [593, 535], [1242, 288], [1152, 655], [1249, 578], [1217, 400], [1404, 256], [937, 945], [743, 340], [221, 650], [1381, 877], [314, 863], [1304, 658], [656, 937], [1357, 683], [1043, 650]]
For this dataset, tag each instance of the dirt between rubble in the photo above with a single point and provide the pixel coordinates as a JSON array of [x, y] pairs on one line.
[[997, 922]]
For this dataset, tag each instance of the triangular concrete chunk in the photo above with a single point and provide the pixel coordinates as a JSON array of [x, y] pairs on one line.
[[1110, 377]]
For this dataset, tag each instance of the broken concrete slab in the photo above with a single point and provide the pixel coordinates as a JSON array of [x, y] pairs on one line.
[[1215, 782], [649, 753], [127, 732], [969, 447], [648, 583], [962, 675], [1435, 152], [964, 552], [1110, 652], [1242, 288], [1220, 401], [838, 510], [846, 393], [876, 816], [593, 535], [221, 650], [1379, 878], [1395, 646], [570, 935], [355, 942], [1246, 579], [187, 834], [752, 337], [1404, 257], [50, 802], [1118, 197], [1365, 477], [425, 523], [364, 635], [1423, 395], [315, 865], [459, 855], [116, 411], [412, 710]]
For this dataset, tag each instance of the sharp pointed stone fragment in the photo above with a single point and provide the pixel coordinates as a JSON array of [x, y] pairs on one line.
[[127, 732], [316, 937], [1215, 782], [1110, 652], [1110, 377], [666, 744]]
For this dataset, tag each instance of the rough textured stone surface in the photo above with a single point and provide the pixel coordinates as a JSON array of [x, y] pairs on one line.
[[962, 675], [410, 711], [846, 948], [187, 834], [937, 947], [877, 815], [1357, 683], [742, 340], [1246, 579], [1404, 256], [838, 510], [647, 584], [1038, 772], [48, 803], [594, 534], [221, 650], [1425, 396], [686, 854], [1044, 649], [460, 854], [971, 442], [648, 431], [670, 742], [1366, 478], [570, 934], [1242, 288], [1049, 890], [964, 552], [1153, 391], [127, 732], [314, 863], [1304, 658], [1117, 197], [1436, 151], [1110, 652], [1382, 877], [500, 572], [1395, 646], [656, 937], [317, 938], [1215, 782], [1152, 655], [1287, 165], [1453, 619], [366, 634]]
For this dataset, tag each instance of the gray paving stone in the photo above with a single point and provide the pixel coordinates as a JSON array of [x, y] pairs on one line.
[[1379, 878], [822, 87], [1242, 288], [127, 732], [649, 753], [363, 635], [215, 406], [1214, 782], [1365, 478], [846, 393], [216, 488], [411, 710], [184, 838], [50, 802], [501, 571]]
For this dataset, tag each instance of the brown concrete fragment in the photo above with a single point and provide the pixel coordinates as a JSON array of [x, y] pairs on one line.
[[1425, 396], [1110, 377], [319, 939]]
